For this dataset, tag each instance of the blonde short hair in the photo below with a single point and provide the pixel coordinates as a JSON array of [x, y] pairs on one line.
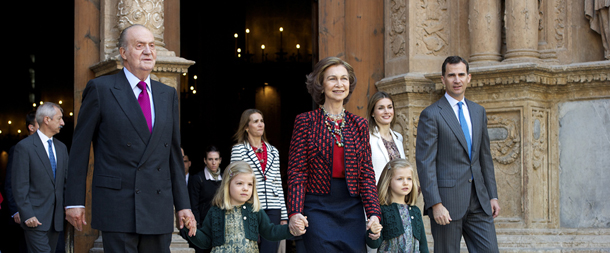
[[222, 199], [383, 187]]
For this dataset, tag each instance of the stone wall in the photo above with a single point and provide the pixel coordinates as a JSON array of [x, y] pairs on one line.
[[539, 71]]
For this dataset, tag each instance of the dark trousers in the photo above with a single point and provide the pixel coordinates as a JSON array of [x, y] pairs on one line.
[[476, 226], [41, 241], [131, 242], [270, 246]]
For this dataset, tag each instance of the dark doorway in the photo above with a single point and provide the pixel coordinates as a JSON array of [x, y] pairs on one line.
[[236, 73]]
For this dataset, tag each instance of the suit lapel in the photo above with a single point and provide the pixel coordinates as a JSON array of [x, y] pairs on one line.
[[449, 116], [270, 157], [254, 158], [379, 141], [475, 122], [129, 104], [59, 171], [44, 157]]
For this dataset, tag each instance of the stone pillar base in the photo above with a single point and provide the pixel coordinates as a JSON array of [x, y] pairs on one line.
[[522, 55], [485, 57]]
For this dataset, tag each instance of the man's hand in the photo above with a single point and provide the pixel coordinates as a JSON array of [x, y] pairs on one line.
[[186, 215], [76, 217], [17, 218], [441, 214], [495, 208], [32, 222]]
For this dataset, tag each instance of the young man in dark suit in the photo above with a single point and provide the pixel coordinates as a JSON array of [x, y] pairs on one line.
[[455, 167]]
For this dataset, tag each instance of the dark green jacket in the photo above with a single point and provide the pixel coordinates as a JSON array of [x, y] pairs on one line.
[[212, 233], [392, 226]]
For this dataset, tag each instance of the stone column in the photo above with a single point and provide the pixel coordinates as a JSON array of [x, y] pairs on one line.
[[522, 30], [485, 25]]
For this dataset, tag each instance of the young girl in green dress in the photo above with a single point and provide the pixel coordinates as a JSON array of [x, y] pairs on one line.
[[235, 220], [403, 228]]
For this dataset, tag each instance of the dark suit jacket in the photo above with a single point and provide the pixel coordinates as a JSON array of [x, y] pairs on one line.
[[201, 194], [442, 159], [138, 177], [311, 158], [35, 190]]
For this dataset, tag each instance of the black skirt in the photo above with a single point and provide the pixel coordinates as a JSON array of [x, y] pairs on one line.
[[336, 221]]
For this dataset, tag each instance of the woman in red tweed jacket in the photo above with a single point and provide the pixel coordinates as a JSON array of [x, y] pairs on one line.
[[330, 174]]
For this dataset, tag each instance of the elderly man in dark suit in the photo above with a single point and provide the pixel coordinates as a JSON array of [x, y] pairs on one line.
[[40, 164], [15, 230], [455, 167], [138, 176]]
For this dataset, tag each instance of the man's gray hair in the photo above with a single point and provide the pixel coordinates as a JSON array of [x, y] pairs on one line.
[[122, 43], [47, 109]]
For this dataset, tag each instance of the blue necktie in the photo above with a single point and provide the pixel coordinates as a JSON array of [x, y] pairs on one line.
[[465, 129], [52, 157]]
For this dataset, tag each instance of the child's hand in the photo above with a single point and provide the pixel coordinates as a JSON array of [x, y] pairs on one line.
[[376, 227], [191, 225]]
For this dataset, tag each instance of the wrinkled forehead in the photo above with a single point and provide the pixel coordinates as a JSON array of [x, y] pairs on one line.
[[140, 35]]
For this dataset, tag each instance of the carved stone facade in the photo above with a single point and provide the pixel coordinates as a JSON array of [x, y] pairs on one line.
[[539, 70]]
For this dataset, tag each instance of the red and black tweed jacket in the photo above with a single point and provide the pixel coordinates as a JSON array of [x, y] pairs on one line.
[[310, 161]]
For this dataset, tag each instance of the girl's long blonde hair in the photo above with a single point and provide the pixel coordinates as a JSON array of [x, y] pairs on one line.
[[222, 199], [383, 187]]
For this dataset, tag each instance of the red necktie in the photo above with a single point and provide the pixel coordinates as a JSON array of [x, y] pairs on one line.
[[144, 102]]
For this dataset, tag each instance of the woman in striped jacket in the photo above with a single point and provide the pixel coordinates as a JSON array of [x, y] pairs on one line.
[[253, 148]]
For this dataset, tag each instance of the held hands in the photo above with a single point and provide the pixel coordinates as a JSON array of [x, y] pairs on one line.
[[189, 224], [32, 222], [186, 218], [76, 217], [375, 227], [297, 224]]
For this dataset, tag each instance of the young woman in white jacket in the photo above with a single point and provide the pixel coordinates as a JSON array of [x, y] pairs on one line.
[[386, 144]]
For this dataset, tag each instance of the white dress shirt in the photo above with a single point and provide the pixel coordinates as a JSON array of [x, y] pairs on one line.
[[133, 81], [454, 104]]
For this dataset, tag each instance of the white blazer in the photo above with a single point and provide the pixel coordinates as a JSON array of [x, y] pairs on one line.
[[379, 154]]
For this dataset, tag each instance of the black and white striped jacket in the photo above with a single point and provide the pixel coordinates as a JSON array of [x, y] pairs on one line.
[[269, 184]]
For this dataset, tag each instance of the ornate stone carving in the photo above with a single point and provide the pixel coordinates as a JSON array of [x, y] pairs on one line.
[[402, 126], [398, 27], [148, 13], [598, 13], [539, 142], [506, 154], [431, 32], [560, 10], [505, 151], [539, 172]]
